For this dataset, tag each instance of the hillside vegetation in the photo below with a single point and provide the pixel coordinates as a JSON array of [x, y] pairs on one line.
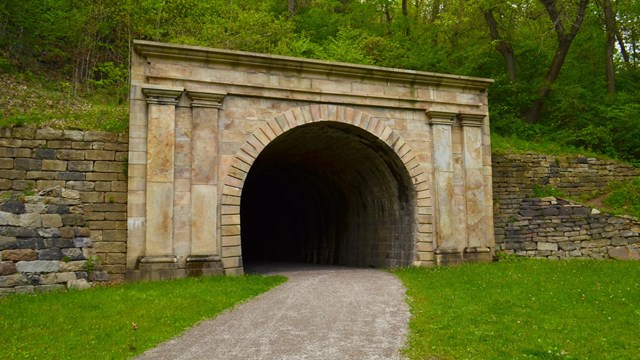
[[566, 72]]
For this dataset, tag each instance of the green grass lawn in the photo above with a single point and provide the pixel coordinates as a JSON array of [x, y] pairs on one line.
[[99, 323], [529, 309]]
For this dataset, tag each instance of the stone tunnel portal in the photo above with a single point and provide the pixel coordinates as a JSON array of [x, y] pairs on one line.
[[328, 193]]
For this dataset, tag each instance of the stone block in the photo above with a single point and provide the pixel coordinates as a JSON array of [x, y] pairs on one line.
[[79, 284], [13, 280], [7, 268], [70, 176], [10, 219], [547, 246], [49, 154], [27, 164], [51, 220], [31, 220], [81, 242], [68, 154], [61, 243], [76, 266], [81, 185], [38, 266], [50, 254], [624, 253], [80, 166], [100, 155], [73, 220], [72, 254], [20, 255]]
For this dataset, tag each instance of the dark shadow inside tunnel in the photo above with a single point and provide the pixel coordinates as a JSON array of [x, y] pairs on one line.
[[328, 193]]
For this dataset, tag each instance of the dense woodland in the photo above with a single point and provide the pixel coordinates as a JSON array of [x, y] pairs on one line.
[[566, 70]]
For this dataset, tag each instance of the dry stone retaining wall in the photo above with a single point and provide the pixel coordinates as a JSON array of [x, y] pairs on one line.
[[45, 244], [557, 228], [94, 164]]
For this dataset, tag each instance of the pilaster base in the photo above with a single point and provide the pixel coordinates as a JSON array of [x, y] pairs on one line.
[[204, 265], [445, 257]]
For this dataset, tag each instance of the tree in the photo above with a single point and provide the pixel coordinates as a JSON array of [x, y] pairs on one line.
[[564, 37]]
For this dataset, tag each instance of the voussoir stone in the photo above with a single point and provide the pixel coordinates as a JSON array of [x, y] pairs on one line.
[[38, 266]]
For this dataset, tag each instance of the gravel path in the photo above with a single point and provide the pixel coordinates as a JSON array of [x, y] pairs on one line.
[[320, 313]]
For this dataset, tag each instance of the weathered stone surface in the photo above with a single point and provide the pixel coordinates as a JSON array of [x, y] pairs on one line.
[[8, 242], [72, 254], [38, 266], [79, 284], [14, 207], [20, 255], [13, 280], [624, 253], [58, 278], [50, 254], [7, 268], [73, 266], [80, 242]]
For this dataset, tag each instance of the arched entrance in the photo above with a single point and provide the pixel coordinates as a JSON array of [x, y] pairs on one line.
[[328, 193]]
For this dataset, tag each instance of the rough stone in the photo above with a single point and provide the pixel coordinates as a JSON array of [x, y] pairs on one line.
[[7, 268], [38, 266], [20, 255], [13, 280], [73, 254], [79, 284], [624, 253], [81, 242], [8, 242], [14, 207], [50, 254]]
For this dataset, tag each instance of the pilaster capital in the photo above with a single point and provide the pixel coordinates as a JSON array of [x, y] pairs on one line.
[[472, 120], [206, 99], [441, 117], [162, 95]]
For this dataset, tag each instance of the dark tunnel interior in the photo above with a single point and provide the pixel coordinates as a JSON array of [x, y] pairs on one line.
[[328, 193]]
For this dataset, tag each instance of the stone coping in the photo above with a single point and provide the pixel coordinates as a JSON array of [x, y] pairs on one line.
[[296, 65]]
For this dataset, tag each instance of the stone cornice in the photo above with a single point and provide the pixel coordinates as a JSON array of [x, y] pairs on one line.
[[162, 95], [299, 65], [206, 99], [441, 117]]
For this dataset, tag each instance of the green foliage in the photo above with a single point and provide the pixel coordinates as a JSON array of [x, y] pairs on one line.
[[82, 48], [623, 198], [524, 309], [117, 322]]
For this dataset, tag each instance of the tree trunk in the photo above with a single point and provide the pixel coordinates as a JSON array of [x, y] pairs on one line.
[[564, 43], [609, 22], [405, 10], [292, 7], [502, 46]]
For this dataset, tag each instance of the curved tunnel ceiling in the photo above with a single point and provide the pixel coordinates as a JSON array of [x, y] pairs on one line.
[[328, 193]]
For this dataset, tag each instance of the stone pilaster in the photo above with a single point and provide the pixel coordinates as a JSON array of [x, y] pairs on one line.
[[205, 246], [445, 217], [162, 101], [474, 181]]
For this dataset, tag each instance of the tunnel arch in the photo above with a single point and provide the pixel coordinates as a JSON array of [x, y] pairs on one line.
[[358, 209]]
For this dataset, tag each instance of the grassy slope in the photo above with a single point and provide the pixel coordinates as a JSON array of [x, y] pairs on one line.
[[97, 323], [531, 309], [28, 100]]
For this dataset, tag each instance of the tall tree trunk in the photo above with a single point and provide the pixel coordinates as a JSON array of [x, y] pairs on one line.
[[564, 43], [292, 7], [405, 10], [502, 45], [609, 22]]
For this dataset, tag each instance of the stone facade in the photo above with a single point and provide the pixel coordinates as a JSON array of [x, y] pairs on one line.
[[236, 155], [45, 244], [92, 163], [557, 228]]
